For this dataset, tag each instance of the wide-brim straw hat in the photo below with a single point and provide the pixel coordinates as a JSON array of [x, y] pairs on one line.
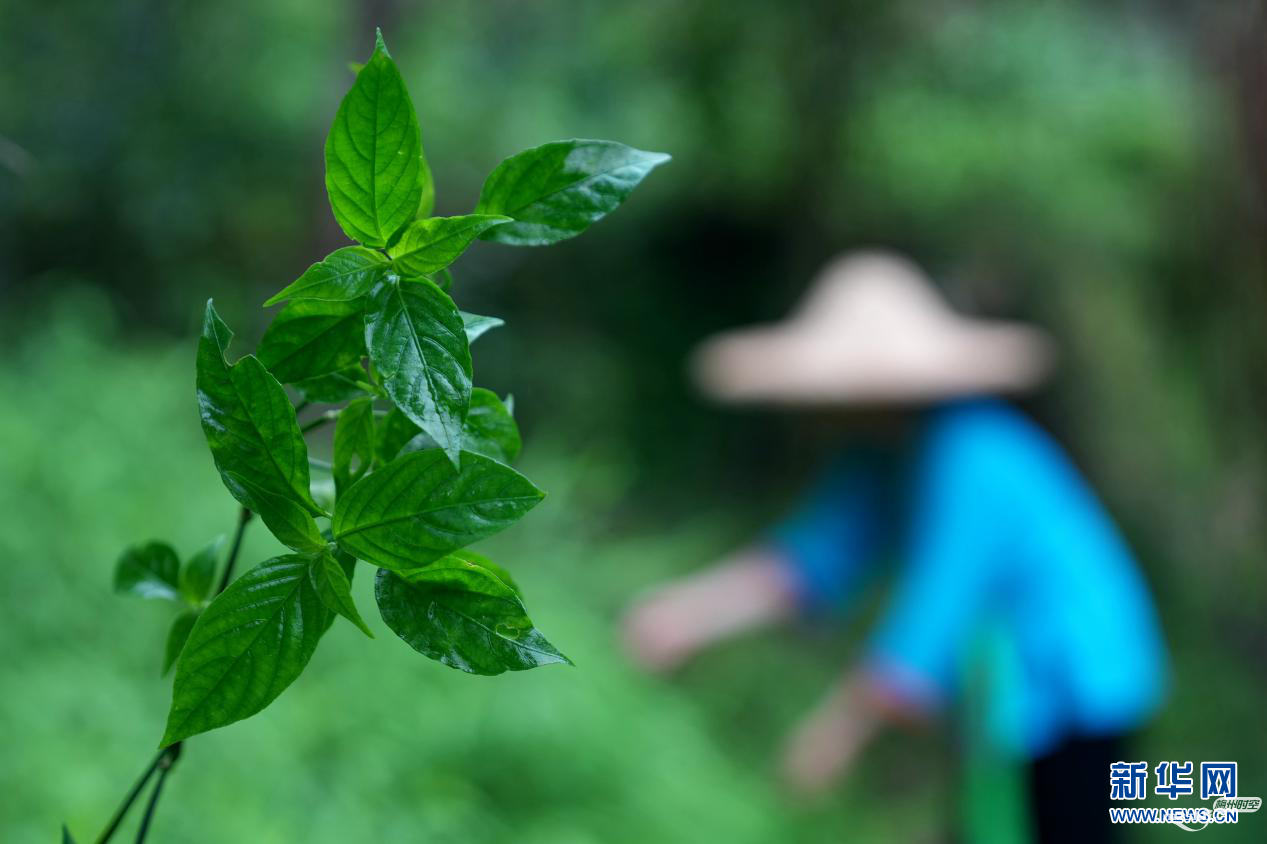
[[872, 330]]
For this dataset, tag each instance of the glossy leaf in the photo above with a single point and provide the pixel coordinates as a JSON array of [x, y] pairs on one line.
[[347, 383], [312, 339], [558, 190], [430, 245], [248, 645], [375, 171], [345, 274], [391, 434], [419, 348], [419, 507], [149, 570], [199, 572], [335, 590], [464, 616], [177, 635], [254, 438], [489, 430], [353, 442], [483, 562], [477, 325]]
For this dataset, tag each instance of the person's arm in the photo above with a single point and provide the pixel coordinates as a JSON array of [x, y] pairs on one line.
[[947, 576], [746, 590], [812, 560], [824, 745]]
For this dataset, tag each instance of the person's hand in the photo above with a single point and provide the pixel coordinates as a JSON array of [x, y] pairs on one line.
[[743, 591], [823, 747], [657, 631]]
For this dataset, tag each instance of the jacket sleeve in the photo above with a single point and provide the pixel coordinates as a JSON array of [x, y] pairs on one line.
[[833, 536]]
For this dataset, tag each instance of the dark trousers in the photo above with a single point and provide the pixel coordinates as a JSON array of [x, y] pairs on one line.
[[1069, 791]]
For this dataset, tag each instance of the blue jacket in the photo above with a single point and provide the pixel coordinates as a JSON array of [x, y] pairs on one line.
[[1005, 563]]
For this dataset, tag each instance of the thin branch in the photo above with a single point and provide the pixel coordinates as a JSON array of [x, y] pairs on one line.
[[122, 811], [324, 419], [244, 516], [166, 760]]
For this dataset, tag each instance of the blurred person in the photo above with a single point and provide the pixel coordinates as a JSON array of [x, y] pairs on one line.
[[1015, 601]]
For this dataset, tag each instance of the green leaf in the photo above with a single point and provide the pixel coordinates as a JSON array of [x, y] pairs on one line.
[[392, 432], [248, 645], [430, 245], [489, 430], [375, 174], [199, 573], [177, 636], [443, 280], [418, 346], [254, 438], [151, 570], [333, 387], [419, 507], [485, 563], [345, 274], [464, 616], [335, 590], [476, 325], [67, 838], [312, 339], [557, 190], [354, 442]]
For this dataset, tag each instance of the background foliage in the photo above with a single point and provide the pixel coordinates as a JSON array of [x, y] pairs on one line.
[[1097, 167]]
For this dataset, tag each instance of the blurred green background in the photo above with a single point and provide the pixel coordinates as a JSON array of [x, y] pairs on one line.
[[1100, 167]]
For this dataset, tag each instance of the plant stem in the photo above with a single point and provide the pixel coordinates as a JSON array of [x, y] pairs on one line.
[[167, 757], [323, 419], [122, 811], [166, 761], [244, 516]]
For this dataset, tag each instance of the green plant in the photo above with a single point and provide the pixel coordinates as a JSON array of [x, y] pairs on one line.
[[421, 457]]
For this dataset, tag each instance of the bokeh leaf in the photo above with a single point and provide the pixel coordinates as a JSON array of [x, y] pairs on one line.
[[177, 635], [428, 246], [464, 616], [374, 166], [345, 274], [558, 190], [148, 570], [248, 645], [419, 348], [199, 571], [254, 438], [335, 590], [419, 507]]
